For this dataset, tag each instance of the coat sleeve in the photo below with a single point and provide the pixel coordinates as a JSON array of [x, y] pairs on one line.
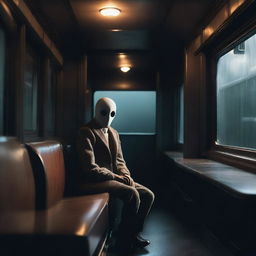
[[86, 140], [120, 162]]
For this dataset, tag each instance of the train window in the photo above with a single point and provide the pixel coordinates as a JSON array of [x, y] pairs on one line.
[[51, 100], [2, 68], [181, 116], [136, 111], [236, 96], [30, 91]]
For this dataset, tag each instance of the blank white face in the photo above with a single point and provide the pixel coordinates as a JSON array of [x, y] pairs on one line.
[[105, 112]]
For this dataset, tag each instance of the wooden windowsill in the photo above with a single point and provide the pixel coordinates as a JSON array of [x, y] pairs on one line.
[[237, 182]]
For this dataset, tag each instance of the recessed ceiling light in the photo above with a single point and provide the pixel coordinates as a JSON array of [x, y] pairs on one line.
[[110, 11], [115, 30], [125, 69]]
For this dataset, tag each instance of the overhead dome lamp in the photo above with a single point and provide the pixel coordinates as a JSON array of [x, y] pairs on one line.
[[110, 11], [125, 69]]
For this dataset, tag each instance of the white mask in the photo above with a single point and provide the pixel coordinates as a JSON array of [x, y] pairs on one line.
[[105, 112]]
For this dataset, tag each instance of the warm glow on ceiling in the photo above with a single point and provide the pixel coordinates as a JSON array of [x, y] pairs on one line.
[[125, 69], [125, 63], [235, 4], [110, 11], [208, 32], [124, 86], [122, 56]]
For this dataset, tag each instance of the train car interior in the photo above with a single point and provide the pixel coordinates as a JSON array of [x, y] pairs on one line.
[[181, 73]]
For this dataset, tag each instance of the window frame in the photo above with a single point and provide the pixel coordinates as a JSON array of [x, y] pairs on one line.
[[240, 157], [45, 66], [33, 134], [180, 116], [50, 97], [3, 125], [9, 26]]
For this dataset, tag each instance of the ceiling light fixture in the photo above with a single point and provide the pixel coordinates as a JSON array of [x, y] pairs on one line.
[[125, 69], [110, 11], [116, 30]]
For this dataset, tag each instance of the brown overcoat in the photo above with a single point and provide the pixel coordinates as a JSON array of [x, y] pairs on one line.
[[99, 158]]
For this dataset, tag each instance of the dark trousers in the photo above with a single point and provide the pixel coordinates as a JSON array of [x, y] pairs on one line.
[[137, 203]]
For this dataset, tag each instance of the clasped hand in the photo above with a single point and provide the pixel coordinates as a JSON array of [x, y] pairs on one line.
[[125, 179]]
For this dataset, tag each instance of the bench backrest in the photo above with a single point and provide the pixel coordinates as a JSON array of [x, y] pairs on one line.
[[17, 187], [48, 164]]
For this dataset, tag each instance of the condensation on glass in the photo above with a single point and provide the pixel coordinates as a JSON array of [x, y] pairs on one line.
[[136, 111], [30, 91], [236, 96], [2, 77]]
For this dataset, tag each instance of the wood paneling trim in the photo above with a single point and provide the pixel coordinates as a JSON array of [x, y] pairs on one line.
[[192, 105], [221, 21], [7, 17], [23, 9]]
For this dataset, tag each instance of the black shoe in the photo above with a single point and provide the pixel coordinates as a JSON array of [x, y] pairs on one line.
[[140, 242]]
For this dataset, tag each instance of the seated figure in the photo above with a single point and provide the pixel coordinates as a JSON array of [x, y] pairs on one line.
[[103, 169]]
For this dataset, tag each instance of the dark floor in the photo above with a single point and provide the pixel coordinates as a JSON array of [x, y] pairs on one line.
[[169, 236]]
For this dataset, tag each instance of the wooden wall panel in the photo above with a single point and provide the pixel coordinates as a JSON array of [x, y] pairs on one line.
[[74, 106], [192, 97], [23, 10]]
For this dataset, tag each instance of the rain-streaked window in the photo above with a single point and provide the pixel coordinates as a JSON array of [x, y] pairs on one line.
[[236, 96], [136, 110]]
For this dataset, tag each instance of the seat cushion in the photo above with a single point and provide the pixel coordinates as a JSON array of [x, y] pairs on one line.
[[85, 218], [73, 226]]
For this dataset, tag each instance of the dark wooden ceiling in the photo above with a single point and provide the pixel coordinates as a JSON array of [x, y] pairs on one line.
[[144, 26]]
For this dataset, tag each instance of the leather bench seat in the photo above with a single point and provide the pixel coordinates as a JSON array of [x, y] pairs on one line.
[[62, 226], [79, 220], [84, 218]]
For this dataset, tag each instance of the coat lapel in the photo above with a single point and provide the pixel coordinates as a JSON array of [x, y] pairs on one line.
[[102, 137], [113, 143]]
